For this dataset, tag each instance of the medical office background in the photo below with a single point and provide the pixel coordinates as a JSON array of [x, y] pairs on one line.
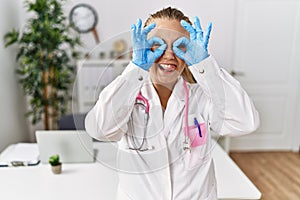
[[256, 40]]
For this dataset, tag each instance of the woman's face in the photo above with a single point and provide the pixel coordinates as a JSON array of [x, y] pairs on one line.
[[166, 69]]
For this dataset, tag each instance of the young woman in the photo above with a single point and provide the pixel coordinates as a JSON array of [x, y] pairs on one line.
[[161, 110]]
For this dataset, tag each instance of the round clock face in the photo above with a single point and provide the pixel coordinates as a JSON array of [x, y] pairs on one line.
[[83, 18]]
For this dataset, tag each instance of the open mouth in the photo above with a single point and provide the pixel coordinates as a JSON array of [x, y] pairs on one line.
[[167, 67]]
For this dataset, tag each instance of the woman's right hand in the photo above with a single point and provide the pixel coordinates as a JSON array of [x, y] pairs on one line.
[[142, 54]]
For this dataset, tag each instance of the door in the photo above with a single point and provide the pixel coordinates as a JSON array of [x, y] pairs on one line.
[[265, 62]]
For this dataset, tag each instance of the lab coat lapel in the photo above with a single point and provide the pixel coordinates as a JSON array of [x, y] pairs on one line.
[[175, 106], [155, 125]]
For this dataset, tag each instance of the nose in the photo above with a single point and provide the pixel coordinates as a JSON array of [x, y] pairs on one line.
[[169, 54]]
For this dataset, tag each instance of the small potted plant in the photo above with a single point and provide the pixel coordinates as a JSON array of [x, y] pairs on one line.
[[55, 164]]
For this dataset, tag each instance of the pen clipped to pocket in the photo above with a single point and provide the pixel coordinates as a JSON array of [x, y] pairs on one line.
[[197, 133]]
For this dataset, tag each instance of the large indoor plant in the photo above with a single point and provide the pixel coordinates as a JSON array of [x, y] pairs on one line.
[[46, 54]]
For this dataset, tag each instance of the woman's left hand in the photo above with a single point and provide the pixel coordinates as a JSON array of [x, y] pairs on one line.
[[195, 47]]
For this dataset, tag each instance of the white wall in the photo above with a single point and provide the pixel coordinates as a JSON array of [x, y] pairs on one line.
[[116, 16], [13, 126], [296, 136]]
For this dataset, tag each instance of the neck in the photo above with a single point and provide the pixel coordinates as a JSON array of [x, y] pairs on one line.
[[164, 94]]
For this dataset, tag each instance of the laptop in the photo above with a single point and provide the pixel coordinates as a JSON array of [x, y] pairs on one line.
[[72, 146]]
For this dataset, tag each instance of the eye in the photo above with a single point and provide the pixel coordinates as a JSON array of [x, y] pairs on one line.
[[182, 47], [155, 46]]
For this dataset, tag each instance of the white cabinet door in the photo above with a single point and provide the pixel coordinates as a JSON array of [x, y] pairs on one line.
[[92, 77], [266, 64]]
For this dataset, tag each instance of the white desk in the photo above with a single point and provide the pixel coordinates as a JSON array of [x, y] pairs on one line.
[[95, 181]]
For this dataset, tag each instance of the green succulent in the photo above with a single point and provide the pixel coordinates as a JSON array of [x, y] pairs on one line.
[[54, 160]]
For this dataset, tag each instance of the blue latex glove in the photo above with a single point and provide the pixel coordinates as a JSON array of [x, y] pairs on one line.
[[196, 46], [142, 54]]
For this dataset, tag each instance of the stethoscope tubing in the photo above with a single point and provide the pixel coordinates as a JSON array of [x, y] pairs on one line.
[[146, 119], [145, 104]]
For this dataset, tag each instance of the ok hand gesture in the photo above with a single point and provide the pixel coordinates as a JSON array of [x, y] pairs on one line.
[[142, 54], [196, 46]]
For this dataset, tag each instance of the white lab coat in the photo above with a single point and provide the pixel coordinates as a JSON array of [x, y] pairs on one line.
[[167, 171]]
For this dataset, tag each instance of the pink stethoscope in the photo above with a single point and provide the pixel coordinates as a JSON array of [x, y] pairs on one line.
[[142, 102]]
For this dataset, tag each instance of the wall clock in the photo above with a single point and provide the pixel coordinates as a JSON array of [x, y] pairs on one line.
[[83, 18]]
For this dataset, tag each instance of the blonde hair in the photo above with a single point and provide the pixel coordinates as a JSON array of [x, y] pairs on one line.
[[173, 13]]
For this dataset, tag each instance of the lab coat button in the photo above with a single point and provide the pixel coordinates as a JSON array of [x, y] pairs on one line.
[[201, 71], [141, 78]]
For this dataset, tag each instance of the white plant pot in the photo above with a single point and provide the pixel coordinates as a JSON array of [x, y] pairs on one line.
[[56, 169]]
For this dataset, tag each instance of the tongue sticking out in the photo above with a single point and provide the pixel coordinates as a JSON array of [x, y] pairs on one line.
[[167, 67]]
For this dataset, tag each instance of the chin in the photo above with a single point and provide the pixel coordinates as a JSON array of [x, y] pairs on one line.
[[166, 81]]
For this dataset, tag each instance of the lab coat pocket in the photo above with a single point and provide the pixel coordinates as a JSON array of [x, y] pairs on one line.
[[197, 136]]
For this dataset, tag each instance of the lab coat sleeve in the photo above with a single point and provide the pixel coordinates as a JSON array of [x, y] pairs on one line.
[[231, 110], [107, 120]]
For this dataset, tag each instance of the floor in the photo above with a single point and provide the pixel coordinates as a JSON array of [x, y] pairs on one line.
[[275, 174]]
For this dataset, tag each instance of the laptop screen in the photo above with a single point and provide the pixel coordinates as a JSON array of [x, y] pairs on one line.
[[72, 146]]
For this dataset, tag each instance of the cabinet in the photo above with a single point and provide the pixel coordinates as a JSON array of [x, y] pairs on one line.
[[92, 77]]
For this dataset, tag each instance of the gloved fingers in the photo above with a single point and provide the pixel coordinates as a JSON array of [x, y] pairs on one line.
[[133, 32], [154, 40], [189, 28], [179, 53], [181, 41], [199, 32], [136, 30], [163, 47], [207, 34], [138, 26], [159, 51], [149, 28], [186, 56]]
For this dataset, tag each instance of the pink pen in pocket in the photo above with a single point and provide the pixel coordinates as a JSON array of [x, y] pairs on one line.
[[197, 133]]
